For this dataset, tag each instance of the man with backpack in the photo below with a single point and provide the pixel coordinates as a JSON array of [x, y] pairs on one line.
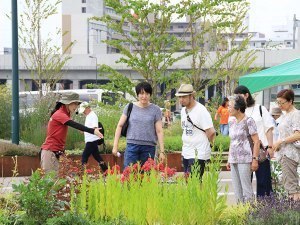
[[91, 141]]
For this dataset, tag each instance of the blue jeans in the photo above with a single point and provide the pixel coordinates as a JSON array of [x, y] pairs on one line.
[[224, 128], [135, 153]]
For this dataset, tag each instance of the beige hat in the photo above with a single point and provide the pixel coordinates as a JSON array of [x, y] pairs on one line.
[[69, 97], [185, 89], [83, 106], [276, 111]]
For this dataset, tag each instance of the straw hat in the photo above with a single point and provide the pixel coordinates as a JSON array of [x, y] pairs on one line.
[[276, 111], [185, 89], [69, 97]]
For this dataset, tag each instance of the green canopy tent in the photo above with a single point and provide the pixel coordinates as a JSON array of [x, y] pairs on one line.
[[285, 73]]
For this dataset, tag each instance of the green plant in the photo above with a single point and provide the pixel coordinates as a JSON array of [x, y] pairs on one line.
[[276, 174], [173, 143], [9, 149], [274, 210], [145, 199], [221, 143], [235, 215], [5, 112], [69, 218], [37, 198]]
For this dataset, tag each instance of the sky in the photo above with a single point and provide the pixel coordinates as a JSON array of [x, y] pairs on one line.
[[263, 15]]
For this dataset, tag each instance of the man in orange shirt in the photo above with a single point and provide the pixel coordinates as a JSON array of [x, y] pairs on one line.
[[223, 113]]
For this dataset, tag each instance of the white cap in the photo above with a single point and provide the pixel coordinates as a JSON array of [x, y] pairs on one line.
[[82, 107]]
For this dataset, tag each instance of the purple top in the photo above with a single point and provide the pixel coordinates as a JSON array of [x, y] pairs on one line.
[[240, 150]]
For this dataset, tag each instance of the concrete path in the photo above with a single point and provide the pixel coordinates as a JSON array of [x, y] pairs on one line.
[[225, 181]]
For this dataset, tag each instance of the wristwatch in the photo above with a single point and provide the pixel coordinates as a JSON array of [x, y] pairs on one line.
[[256, 158]]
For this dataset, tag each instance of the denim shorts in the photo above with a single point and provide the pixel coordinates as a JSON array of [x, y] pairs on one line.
[[135, 153]]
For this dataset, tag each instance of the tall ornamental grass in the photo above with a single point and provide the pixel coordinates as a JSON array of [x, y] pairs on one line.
[[5, 112], [146, 199]]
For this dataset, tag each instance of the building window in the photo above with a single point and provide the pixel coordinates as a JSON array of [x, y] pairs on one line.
[[83, 1], [83, 9]]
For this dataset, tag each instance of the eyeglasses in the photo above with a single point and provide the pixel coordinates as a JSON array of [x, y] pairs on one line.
[[281, 103]]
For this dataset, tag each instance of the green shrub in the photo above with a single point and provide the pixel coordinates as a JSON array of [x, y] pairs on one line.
[[9, 149], [173, 143], [5, 112], [38, 198], [68, 219], [235, 215], [221, 143]]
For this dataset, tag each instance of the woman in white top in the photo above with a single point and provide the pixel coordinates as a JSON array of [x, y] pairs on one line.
[[265, 125], [288, 153]]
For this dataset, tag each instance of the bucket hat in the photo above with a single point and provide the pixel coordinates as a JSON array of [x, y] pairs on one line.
[[69, 97], [185, 89]]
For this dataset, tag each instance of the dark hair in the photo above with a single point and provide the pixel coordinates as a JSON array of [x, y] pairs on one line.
[[239, 104], [57, 106], [143, 86], [244, 90], [287, 94], [224, 101]]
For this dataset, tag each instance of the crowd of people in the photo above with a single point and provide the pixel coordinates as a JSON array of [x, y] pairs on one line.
[[250, 126]]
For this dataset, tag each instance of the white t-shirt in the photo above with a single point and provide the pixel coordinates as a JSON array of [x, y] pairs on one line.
[[195, 141], [263, 123], [91, 121]]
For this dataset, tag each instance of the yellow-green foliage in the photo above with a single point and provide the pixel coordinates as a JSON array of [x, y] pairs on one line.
[[151, 201], [235, 215], [5, 112]]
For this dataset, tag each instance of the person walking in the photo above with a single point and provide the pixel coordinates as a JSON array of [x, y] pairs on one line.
[[265, 125], [223, 113], [198, 130], [289, 151], [60, 120], [144, 130], [243, 155], [91, 140]]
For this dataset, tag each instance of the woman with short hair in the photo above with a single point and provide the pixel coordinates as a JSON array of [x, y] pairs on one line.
[[288, 153], [144, 130], [242, 159]]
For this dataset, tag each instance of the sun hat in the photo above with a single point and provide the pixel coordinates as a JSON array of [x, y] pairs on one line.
[[83, 106], [276, 111], [185, 89], [69, 97]]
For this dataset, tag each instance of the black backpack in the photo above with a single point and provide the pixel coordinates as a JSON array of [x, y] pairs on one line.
[[101, 141]]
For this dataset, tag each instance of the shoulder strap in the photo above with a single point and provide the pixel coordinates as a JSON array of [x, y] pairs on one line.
[[248, 135], [129, 110], [260, 110], [189, 119]]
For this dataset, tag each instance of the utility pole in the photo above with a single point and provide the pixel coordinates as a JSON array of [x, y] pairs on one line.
[[296, 24], [15, 74]]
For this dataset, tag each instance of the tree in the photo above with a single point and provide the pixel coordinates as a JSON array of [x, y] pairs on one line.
[[41, 56], [147, 47], [235, 59], [209, 21]]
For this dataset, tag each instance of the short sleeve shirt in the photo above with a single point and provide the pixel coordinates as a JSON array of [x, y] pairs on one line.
[[57, 130], [289, 123], [195, 141], [141, 128], [91, 121], [263, 122], [223, 112], [240, 150]]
